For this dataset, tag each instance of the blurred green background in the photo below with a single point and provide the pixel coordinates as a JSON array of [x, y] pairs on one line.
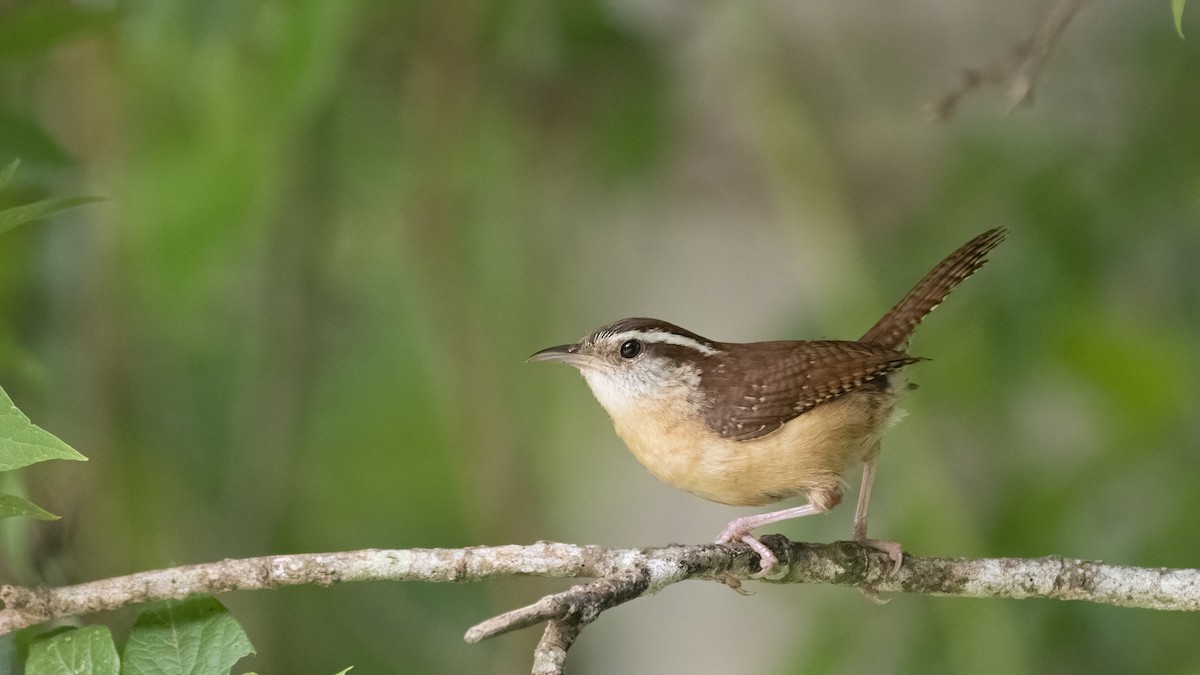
[[334, 229]]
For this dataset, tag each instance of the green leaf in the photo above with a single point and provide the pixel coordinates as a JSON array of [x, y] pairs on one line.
[[12, 505], [1177, 10], [17, 215], [23, 443], [194, 637], [89, 650]]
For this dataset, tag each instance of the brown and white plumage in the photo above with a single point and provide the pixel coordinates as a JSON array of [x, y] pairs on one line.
[[755, 423]]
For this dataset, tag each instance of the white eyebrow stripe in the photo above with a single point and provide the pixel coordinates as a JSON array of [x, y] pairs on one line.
[[671, 339]]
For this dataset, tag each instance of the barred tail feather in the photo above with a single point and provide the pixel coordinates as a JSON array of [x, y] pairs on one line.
[[896, 327]]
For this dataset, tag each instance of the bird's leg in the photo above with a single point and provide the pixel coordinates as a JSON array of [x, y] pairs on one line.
[[860, 519], [739, 529], [864, 500]]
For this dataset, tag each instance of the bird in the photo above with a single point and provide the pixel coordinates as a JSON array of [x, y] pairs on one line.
[[752, 424]]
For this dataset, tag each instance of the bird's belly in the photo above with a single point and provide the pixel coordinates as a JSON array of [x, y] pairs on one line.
[[811, 452]]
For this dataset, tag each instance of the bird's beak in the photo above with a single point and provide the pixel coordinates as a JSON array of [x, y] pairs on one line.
[[568, 354]]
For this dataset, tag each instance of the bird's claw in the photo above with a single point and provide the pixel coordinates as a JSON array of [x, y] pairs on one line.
[[767, 559], [891, 548]]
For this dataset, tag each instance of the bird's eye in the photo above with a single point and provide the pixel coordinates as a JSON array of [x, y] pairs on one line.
[[631, 348]]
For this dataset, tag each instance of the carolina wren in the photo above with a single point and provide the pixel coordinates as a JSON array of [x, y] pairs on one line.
[[756, 423]]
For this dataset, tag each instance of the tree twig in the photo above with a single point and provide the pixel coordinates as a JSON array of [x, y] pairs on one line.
[[550, 656], [620, 575], [585, 601], [1021, 67]]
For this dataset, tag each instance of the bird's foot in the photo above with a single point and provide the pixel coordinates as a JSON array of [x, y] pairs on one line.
[[891, 548], [766, 558]]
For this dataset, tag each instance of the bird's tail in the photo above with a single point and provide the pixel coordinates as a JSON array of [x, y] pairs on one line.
[[896, 327]]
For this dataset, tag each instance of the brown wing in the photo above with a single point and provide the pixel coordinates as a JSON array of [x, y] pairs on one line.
[[777, 381], [896, 327]]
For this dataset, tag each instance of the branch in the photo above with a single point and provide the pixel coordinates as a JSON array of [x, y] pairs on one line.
[[1023, 65], [620, 575]]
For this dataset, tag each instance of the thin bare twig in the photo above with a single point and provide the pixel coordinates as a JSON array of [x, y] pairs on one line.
[[550, 656], [585, 601], [621, 575], [1021, 67]]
